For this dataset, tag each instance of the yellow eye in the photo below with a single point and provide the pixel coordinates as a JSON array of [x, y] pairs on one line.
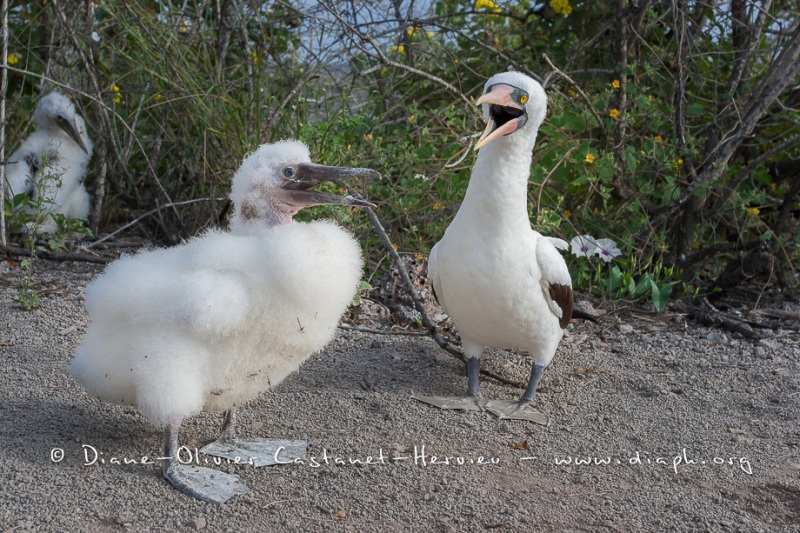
[[523, 99]]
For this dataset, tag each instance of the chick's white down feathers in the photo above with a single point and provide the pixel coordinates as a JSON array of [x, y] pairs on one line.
[[211, 323], [66, 160]]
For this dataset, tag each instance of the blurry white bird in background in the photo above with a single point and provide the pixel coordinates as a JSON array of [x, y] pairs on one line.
[[61, 141], [210, 324], [503, 284]]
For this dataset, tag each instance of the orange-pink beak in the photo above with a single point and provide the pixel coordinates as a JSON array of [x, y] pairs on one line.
[[500, 95]]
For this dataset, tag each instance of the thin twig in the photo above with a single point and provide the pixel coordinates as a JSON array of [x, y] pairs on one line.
[[383, 331], [419, 305], [580, 92], [332, 9], [24, 252], [151, 212]]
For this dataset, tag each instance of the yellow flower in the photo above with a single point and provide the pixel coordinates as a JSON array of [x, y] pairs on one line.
[[14, 58], [773, 185], [410, 31], [384, 71], [430, 34], [399, 49], [650, 97], [571, 92], [663, 247], [659, 138], [117, 97], [567, 213], [754, 211], [159, 97], [437, 205], [679, 162], [367, 136], [589, 158], [614, 113], [394, 246], [487, 4], [411, 118], [561, 7], [419, 257], [615, 84]]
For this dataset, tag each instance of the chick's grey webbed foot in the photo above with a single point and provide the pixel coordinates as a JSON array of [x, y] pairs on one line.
[[205, 484], [255, 452], [202, 483]]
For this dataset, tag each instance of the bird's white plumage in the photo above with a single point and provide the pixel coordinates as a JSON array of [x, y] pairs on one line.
[[212, 323], [67, 160], [491, 271]]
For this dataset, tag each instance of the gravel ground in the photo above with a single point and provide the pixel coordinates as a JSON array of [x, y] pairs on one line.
[[683, 428]]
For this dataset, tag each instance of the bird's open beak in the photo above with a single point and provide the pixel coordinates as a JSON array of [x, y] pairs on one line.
[[505, 115], [295, 192], [71, 128]]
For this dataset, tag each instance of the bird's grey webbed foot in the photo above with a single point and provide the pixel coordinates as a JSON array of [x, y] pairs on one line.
[[523, 408], [465, 403], [517, 410], [204, 484], [255, 452], [471, 402]]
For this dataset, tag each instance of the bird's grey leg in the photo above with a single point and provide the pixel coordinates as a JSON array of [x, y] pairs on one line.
[[522, 409], [471, 402], [204, 484], [473, 374], [255, 452], [228, 432], [536, 375]]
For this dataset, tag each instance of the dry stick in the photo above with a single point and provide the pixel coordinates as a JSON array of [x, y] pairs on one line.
[[3, 87], [580, 92], [385, 60], [104, 109], [151, 212], [24, 252], [433, 331]]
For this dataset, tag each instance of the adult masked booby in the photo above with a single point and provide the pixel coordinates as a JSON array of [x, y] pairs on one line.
[[503, 284], [61, 141], [210, 324]]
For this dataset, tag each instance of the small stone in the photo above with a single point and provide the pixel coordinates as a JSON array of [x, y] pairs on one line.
[[718, 337], [625, 329], [197, 523], [125, 518]]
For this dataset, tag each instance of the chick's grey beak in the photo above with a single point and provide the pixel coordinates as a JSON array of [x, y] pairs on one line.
[[71, 128], [307, 175]]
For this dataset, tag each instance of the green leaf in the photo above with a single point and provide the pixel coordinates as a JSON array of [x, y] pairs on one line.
[[695, 109], [660, 296], [424, 152]]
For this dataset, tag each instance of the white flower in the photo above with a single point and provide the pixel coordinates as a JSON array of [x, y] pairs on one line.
[[607, 249], [95, 37], [583, 245]]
